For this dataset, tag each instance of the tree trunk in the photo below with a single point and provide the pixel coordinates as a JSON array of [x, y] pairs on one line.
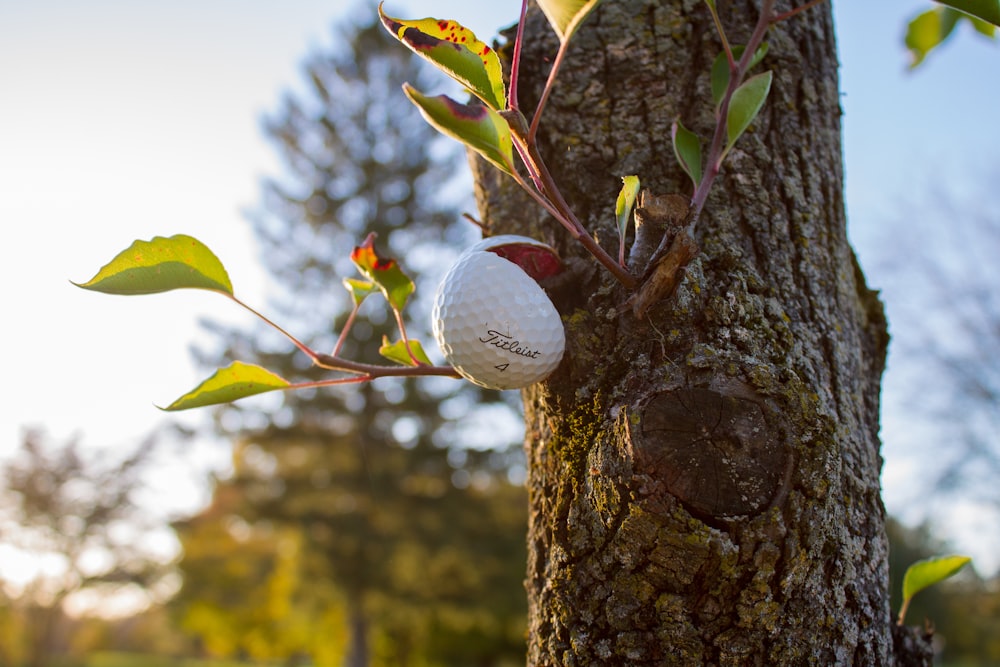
[[704, 482]]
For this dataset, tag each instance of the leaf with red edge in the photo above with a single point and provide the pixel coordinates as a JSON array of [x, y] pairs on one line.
[[455, 50], [384, 272], [397, 352], [480, 128]]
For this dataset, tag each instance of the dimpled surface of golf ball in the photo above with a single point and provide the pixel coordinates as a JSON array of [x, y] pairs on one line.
[[495, 325]]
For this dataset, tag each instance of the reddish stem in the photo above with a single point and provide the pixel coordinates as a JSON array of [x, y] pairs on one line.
[[792, 12], [367, 371], [515, 65], [549, 85], [717, 149]]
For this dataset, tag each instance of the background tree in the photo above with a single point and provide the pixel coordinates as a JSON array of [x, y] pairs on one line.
[[943, 284], [79, 511], [391, 486], [704, 483]]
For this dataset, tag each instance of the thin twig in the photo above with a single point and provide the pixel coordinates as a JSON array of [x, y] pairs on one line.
[[792, 12], [406, 342], [347, 327], [373, 371], [515, 65], [549, 85], [335, 363]]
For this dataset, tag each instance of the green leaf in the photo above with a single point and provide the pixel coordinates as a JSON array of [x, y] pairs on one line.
[[746, 103], [480, 128], [687, 148], [986, 10], [931, 28], [383, 272], [928, 572], [721, 73], [161, 265], [625, 202], [238, 380], [927, 31], [359, 289], [455, 50], [711, 4], [397, 352], [565, 16]]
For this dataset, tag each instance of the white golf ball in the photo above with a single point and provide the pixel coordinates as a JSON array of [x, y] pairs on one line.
[[493, 322]]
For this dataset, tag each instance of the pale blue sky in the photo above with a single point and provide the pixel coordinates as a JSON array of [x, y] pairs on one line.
[[130, 119]]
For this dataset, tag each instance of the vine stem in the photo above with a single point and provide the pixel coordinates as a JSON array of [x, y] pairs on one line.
[[717, 149]]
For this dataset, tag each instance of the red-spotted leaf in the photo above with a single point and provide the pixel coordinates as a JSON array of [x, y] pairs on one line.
[[236, 381], [480, 128], [721, 72], [359, 289], [565, 16], [746, 103], [161, 265], [687, 148], [455, 50], [384, 272], [397, 352]]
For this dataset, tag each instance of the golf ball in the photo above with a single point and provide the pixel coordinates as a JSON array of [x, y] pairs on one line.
[[495, 325]]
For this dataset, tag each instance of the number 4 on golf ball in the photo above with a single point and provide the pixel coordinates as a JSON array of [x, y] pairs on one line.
[[495, 325]]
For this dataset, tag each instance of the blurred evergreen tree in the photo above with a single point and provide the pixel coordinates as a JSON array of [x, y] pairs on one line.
[[399, 489]]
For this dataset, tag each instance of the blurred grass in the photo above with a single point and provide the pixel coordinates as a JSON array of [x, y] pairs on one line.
[[114, 659]]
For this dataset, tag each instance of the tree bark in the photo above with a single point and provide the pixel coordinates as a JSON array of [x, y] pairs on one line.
[[704, 481]]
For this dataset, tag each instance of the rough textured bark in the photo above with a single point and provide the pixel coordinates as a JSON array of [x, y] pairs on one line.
[[704, 482]]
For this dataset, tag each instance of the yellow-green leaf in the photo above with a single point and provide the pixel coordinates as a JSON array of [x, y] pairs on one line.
[[161, 265], [480, 128], [359, 289], [565, 16], [930, 571], [625, 202], [455, 50], [397, 352], [384, 272], [238, 380]]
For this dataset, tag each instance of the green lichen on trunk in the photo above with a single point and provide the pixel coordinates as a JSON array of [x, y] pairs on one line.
[[772, 344]]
